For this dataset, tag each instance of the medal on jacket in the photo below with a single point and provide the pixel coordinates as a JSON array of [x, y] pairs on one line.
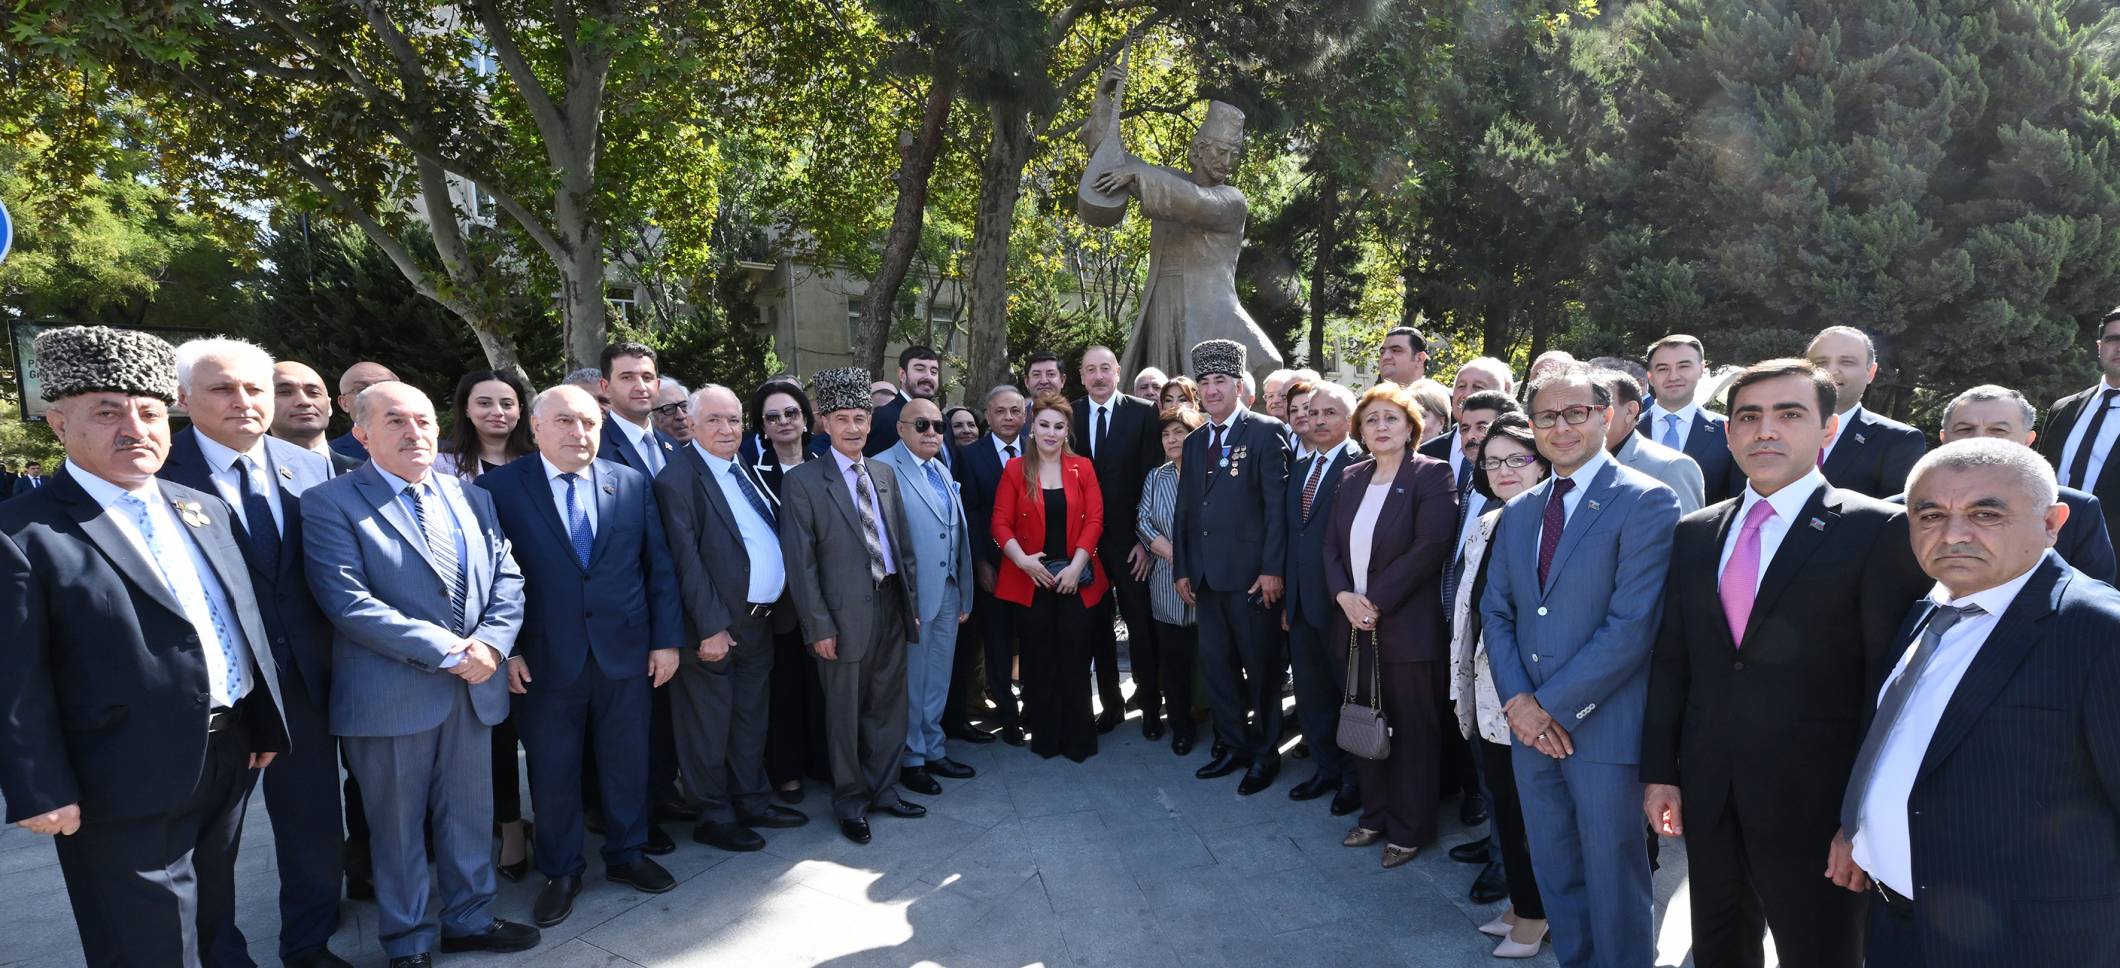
[[286, 473], [1224, 462], [192, 512], [1236, 462]]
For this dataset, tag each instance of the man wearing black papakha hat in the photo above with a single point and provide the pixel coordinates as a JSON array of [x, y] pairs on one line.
[[134, 671]]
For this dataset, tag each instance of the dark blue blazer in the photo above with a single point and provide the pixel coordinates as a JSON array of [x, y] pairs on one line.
[[2014, 817], [2084, 542], [618, 450], [978, 477], [1873, 454], [1709, 446], [1307, 599], [623, 604], [348, 445], [301, 635], [1227, 530]]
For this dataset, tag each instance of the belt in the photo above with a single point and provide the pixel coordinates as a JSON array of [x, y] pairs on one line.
[[757, 610], [1893, 900], [220, 718]]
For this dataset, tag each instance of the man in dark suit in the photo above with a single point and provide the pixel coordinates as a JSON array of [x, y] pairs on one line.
[[723, 526], [919, 378], [1678, 421], [1231, 547], [31, 478], [1478, 376], [1118, 434], [357, 378], [1318, 664], [415, 574], [1777, 606], [1869, 453], [980, 474], [135, 676], [600, 629], [843, 537], [1982, 803], [2081, 427], [226, 387]]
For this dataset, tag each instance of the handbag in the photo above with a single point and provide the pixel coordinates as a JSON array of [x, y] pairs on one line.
[[1055, 566], [1363, 731]]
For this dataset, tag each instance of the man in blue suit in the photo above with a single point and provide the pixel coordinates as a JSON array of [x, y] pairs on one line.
[[1982, 803], [940, 553], [415, 573], [600, 628], [227, 387], [357, 378], [1676, 419], [1319, 665], [1572, 604], [980, 474]]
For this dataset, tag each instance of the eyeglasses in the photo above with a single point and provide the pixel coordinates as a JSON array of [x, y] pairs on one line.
[[673, 409], [1517, 461], [1576, 415], [790, 415], [922, 425]]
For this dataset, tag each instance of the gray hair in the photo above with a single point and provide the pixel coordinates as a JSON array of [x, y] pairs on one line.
[[1495, 368], [1283, 375], [241, 354], [589, 378], [1341, 395], [1309, 375], [699, 396], [999, 389], [1251, 388], [1981, 453], [668, 383], [1987, 392], [1161, 377]]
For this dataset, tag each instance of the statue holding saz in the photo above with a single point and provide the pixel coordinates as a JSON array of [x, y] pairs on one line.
[[1196, 230]]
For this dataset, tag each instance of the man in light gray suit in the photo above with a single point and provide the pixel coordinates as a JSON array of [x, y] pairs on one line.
[[1574, 593], [416, 576], [843, 535], [939, 553], [1672, 467]]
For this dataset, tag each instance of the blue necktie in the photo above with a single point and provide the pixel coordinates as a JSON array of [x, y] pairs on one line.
[[190, 590], [755, 499], [258, 525], [942, 491], [1670, 438], [577, 522]]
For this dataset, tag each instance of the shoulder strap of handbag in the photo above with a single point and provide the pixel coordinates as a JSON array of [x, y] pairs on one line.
[[1354, 666]]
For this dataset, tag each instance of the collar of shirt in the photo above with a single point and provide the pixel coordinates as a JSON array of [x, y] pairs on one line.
[[1684, 415], [1109, 403], [1789, 501], [1334, 453], [635, 434], [106, 493], [1001, 446], [1235, 417], [553, 471], [1847, 419], [715, 465], [844, 462], [220, 456], [398, 484], [1457, 452], [1586, 474], [1994, 601]]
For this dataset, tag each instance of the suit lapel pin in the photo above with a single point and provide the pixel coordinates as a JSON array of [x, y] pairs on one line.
[[610, 489], [1860, 439], [1818, 524], [286, 473], [192, 512], [1594, 506]]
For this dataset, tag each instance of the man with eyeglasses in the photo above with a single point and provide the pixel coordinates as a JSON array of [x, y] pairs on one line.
[[2081, 427], [669, 411], [1572, 604]]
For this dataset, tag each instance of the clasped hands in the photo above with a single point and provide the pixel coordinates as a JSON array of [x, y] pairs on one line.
[[1534, 727], [662, 665], [1067, 582]]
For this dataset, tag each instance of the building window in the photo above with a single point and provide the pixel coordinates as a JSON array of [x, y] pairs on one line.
[[853, 321], [624, 299]]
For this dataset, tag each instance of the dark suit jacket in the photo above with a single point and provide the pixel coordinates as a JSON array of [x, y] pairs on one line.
[[345, 463], [979, 477], [1873, 454], [1709, 446], [1022, 520], [1776, 722], [1227, 530], [350, 446], [828, 564], [619, 607], [713, 568], [103, 683], [7, 484], [1440, 448], [618, 450], [1132, 448], [2084, 541], [301, 635], [1306, 599], [2012, 818], [1413, 534], [2061, 421]]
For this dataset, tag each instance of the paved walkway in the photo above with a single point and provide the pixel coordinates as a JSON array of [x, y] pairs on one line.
[[1125, 860]]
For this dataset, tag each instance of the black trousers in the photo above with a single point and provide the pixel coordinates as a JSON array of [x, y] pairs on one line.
[[1056, 654], [1127, 599], [997, 637], [964, 675], [155, 891], [1235, 636], [1398, 792], [722, 710], [302, 798], [1749, 870], [507, 772], [1457, 757], [795, 714], [1894, 935], [560, 723], [1320, 669], [1507, 812], [1177, 652]]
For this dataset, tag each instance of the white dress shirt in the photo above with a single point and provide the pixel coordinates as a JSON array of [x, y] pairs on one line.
[[761, 544], [584, 492], [1583, 477], [1361, 535], [1840, 431], [1685, 415], [1095, 410], [1001, 447], [188, 577], [228, 478], [874, 504], [1787, 503], [644, 442], [2100, 448], [1883, 845]]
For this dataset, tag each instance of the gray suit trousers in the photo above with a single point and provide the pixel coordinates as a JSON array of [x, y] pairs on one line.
[[864, 717], [720, 711]]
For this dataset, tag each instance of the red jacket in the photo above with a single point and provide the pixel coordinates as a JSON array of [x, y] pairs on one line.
[[1023, 519]]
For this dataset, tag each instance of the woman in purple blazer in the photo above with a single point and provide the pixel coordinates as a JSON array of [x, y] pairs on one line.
[[1391, 529]]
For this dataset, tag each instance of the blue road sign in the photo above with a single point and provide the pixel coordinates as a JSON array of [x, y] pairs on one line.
[[7, 232]]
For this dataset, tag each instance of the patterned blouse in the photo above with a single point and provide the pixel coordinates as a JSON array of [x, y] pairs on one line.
[[1159, 504]]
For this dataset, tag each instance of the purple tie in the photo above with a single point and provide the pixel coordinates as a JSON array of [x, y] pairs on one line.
[[1549, 535], [1740, 578]]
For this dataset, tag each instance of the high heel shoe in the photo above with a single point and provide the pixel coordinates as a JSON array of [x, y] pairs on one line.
[[1499, 927], [1523, 941]]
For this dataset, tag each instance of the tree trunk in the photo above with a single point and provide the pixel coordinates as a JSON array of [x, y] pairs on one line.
[[499, 346], [1321, 266], [1494, 327], [917, 151], [584, 319], [1000, 183]]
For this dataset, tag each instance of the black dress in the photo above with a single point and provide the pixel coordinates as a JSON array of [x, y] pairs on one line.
[[1055, 635]]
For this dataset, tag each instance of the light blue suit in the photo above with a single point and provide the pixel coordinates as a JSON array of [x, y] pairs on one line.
[[940, 551], [1581, 648], [417, 737]]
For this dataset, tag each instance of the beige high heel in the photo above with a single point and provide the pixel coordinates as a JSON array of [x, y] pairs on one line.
[[1499, 927], [1523, 940]]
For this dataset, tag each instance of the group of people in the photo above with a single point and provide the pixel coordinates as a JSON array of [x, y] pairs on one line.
[[1865, 680]]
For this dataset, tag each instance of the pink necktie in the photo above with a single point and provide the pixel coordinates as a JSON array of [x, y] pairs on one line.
[[1740, 578]]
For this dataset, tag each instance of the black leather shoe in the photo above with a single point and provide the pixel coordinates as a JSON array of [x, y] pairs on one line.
[[1472, 811], [672, 811], [515, 871], [413, 961], [1472, 851], [1313, 788], [659, 842], [1222, 765], [1301, 752], [498, 936], [791, 796], [1490, 886], [776, 817], [556, 901], [916, 779], [1347, 801], [1259, 777], [643, 875], [856, 830], [1219, 750], [360, 880], [907, 809], [1181, 744], [967, 733], [1012, 735], [1107, 721], [320, 958], [732, 837], [1151, 728], [952, 769]]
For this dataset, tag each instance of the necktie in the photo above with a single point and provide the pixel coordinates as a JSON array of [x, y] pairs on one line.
[[934, 479], [1215, 447], [258, 525], [1740, 577], [1888, 709], [190, 591], [651, 451], [1455, 570], [1104, 426], [577, 522], [441, 544], [1464, 481], [870, 535], [1549, 535], [1310, 483], [1670, 437], [2079, 466], [755, 499], [1011, 451]]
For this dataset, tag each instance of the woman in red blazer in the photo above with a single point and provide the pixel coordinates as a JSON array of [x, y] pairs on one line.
[[1048, 515]]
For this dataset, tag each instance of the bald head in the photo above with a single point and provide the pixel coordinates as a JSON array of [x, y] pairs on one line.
[[717, 420], [359, 377], [566, 422], [924, 444]]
